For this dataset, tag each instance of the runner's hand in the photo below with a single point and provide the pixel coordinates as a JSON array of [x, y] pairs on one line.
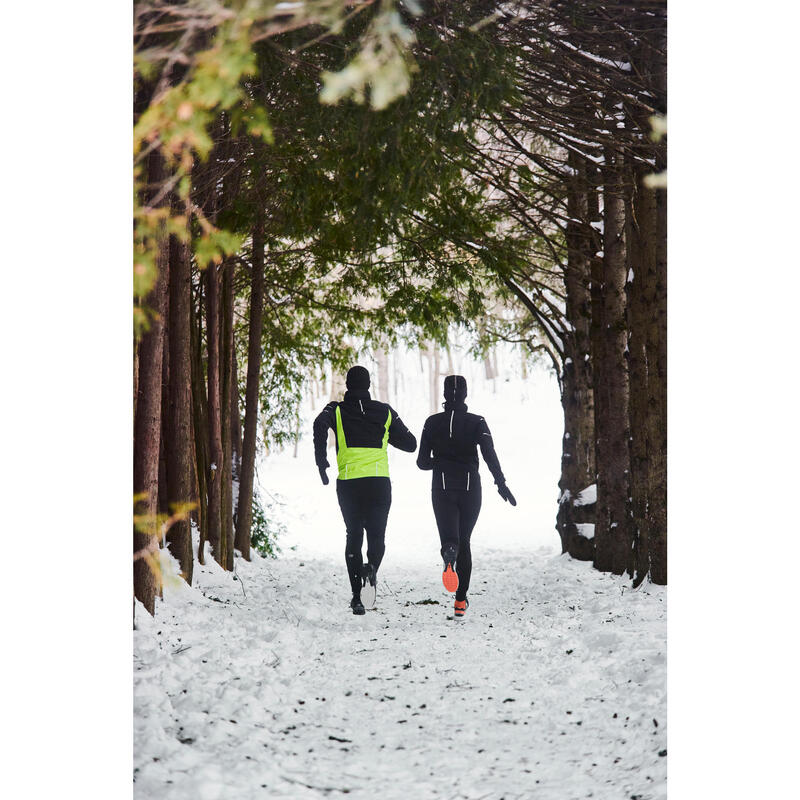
[[324, 475], [505, 493]]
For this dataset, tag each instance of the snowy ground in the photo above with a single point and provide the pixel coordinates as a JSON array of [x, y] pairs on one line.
[[554, 686]]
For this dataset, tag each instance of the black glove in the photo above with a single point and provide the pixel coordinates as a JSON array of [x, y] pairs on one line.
[[505, 493], [324, 475]]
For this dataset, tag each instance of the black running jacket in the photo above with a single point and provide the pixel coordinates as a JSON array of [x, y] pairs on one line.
[[364, 425], [449, 446]]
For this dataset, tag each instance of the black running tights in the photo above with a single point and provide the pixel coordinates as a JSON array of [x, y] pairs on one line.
[[365, 503], [456, 513]]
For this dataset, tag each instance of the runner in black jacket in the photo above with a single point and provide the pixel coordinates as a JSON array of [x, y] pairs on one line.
[[364, 428], [449, 446]]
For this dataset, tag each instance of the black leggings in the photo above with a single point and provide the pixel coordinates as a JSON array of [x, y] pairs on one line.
[[456, 513], [365, 503]]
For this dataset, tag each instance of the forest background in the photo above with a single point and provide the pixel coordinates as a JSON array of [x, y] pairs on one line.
[[68, 421]]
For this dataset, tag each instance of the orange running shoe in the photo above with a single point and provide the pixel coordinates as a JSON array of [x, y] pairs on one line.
[[449, 578], [460, 608]]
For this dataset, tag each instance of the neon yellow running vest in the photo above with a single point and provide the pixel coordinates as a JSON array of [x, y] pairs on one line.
[[362, 462]]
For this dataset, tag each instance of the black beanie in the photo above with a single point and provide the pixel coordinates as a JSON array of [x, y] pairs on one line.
[[357, 378], [455, 388]]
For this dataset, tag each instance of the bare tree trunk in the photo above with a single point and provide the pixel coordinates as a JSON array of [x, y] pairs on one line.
[[657, 345], [436, 382], [147, 424], [640, 239], [179, 442], [612, 530], [382, 358], [657, 386], [236, 421], [577, 396], [244, 516], [135, 375], [200, 422], [432, 353], [163, 499], [226, 401], [214, 415], [488, 367]]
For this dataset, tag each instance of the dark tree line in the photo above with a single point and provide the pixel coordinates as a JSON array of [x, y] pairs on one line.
[[572, 168]]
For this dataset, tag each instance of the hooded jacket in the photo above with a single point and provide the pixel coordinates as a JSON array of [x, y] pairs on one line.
[[450, 441], [363, 423]]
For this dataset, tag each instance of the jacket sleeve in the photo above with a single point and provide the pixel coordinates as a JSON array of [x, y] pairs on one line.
[[424, 459], [400, 436], [325, 421], [487, 451]]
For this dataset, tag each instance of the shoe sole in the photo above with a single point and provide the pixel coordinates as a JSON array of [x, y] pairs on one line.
[[450, 579], [368, 594]]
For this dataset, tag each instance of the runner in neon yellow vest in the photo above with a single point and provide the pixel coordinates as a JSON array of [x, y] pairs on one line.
[[364, 430]]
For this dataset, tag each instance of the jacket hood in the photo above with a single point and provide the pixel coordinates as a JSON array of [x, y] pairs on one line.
[[455, 389]]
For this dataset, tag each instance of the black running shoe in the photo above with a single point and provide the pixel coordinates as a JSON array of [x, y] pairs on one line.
[[357, 606]]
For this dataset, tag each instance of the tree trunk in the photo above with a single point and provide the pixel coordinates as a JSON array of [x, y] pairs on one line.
[[640, 239], [179, 443], [577, 396], [657, 344], [214, 479], [147, 424], [163, 499], [226, 403], [135, 374], [657, 394], [244, 516], [612, 528], [200, 421], [433, 376], [382, 358], [236, 422]]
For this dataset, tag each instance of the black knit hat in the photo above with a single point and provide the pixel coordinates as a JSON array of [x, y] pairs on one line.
[[357, 378], [455, 388]]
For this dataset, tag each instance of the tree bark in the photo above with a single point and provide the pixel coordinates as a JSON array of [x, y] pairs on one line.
[[244, 516], [147, 424], [179, 443], [612, 529], [214, 475], [577, 396], [236, 422], [657, 341], [657, 394], [640, 238], [226, 402], [200, 421], [163, 501]]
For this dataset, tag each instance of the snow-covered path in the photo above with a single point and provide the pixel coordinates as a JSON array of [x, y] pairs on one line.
[[553, 687]]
